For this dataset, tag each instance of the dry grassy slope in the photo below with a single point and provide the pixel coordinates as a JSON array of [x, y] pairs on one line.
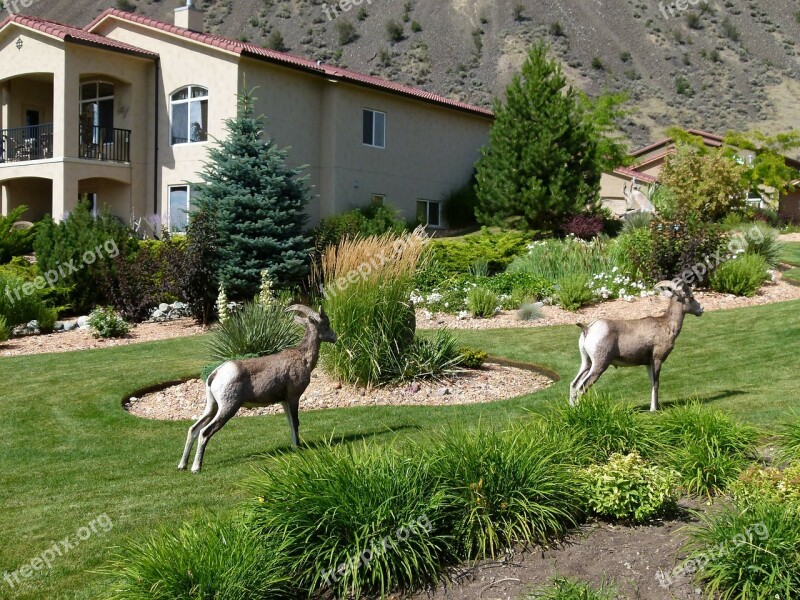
[[469, 49]]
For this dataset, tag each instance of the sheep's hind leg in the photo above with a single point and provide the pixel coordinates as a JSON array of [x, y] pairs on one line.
[[586, 365], [292, 409], [223, 416], [654, 370], [194, 430]]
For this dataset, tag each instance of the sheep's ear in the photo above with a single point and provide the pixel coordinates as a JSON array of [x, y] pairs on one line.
[[321, 311]]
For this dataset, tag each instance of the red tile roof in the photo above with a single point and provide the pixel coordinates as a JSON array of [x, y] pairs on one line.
[[635, 174], [245, 49], [73, 34]]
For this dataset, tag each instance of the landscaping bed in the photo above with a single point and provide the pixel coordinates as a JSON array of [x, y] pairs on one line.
[[492, 382]]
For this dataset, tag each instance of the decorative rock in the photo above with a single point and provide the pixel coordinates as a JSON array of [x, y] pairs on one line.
[[414, 387], [538, 304], [83, 322], [443, 392], [33, 324], [163, 307], [58, 326], [69, 326], [157, 314]]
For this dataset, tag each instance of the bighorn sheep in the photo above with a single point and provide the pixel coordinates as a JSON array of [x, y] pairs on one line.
[[639, 342], [278, 378]]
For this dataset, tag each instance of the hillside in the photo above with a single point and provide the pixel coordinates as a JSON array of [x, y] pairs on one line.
[[731, 64]]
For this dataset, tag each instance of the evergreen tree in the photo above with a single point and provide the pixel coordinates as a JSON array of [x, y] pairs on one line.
[[257, 204], [546, 150]]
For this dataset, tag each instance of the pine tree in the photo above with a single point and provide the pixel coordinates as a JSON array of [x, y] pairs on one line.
[[543, 161], [258, 206]]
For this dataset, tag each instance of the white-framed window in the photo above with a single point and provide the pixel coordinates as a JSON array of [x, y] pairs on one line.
[[374, 128], [91, 198], [429, 213], [97, 112], [180, 198], [189, 115]]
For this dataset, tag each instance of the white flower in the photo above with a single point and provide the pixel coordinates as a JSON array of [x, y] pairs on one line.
[[615, 269], [462, 315], [622, 291]]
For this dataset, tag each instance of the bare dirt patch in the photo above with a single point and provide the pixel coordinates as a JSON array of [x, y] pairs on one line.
[[630, 557], [81, 339], [780, 291], [492, 382]]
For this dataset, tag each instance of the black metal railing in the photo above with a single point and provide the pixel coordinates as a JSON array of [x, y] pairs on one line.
[[26, 143], [105, 143]]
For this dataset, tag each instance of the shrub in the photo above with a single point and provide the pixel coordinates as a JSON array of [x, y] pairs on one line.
[[742, 276], [376, 219], [760, 239], [555, 259], [501, 488], [679, 246], [65, 243], [561, 588], [427, 358], [106, 323], [5, 330], [46, 319], [584, 226], [629, 489], [604, 426], [16, 306], [573, 291], [338, 503], [632, 252], [638, 220], [254, 330], [775, 485], [373, 315], [459, 206], [416, 27], [457, 255], [789, 440], [275, 41], [346, 31], [196, 273], [472, 358], [708, 448], [529, 312], [481, 302], [746, 553], [13, 241], [205, 560], [395, 31]]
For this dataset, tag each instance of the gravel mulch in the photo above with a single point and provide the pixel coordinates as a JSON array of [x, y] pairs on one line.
[[492, 382], [81, 339]]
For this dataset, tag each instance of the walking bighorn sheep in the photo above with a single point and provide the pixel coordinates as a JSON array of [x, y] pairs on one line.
[[278, 378], [639, 342]]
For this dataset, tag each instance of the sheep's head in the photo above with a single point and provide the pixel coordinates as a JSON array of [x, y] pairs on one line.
[[682, 294], [318, 320]]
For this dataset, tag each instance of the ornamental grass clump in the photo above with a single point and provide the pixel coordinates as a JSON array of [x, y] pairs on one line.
[[789, 440], [367, 283]]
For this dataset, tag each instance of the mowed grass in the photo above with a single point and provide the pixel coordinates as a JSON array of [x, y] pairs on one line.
[[68, 452], [790, 255]]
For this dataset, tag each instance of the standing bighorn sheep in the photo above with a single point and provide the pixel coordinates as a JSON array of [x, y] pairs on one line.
[[639, 342], [278, 378]]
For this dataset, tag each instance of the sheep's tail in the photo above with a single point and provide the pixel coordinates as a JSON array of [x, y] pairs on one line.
[[213, 374], [583, 327]]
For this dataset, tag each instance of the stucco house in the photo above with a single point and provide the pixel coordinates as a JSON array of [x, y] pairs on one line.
[[122, 111], [647, 165]]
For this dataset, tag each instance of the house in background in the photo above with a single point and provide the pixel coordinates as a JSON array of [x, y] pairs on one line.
[[647, 167], [123, 112]]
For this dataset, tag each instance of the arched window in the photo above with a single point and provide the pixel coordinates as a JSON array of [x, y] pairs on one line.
[[189, 115]]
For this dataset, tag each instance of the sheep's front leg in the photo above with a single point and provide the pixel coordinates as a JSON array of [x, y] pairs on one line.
[[292, 409], [654, 370]]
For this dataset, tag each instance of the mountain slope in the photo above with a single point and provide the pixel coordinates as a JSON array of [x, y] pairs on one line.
[[731, 64]]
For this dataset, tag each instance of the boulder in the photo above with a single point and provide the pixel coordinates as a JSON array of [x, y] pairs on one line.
[[83, 322], [163, 307]]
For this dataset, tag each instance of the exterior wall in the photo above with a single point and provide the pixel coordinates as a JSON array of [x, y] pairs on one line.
[[35, 193], [611, 185], [183, 63]]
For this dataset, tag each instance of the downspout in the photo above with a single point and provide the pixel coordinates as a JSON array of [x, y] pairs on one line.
[[155, 136]]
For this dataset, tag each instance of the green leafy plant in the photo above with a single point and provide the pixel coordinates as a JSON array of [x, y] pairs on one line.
[[789, 440], [761, 483], [472, 358], [760, 239], [562, 588], [46, 319], [338, 506], [459, 206], [707, 447], [375, 219], [106, 323], [632, 252], [5, 330], [204, 560], [743, 553], [501, 488], [556, 259], [14, 241], [529, 312], [20, 301], [428, 358], [628, 488], [742, 276], [255, 329], [481, 302], [573, 291]]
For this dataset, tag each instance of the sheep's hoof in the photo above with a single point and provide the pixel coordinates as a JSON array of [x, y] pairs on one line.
[[195, 470], [181, 467]]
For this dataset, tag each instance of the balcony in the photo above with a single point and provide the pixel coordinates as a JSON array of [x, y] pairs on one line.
[[105, 143], [20, 144]]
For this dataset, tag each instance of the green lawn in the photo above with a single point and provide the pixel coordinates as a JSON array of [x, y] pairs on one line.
[[69, 453], [791, 256]]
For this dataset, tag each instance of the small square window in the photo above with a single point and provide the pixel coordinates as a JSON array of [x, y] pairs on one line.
[[378, 199], [374, 128]]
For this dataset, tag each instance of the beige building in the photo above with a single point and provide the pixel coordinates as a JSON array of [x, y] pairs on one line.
[[123, 112], [648, 162]]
